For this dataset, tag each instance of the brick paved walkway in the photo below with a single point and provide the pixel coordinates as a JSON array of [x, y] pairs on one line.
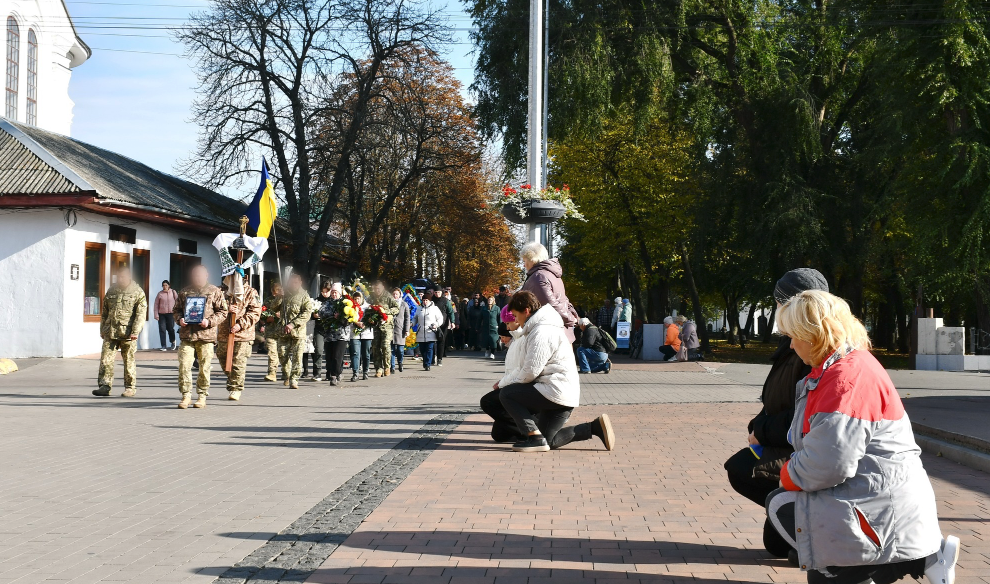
[[114, 490], [658, 508]]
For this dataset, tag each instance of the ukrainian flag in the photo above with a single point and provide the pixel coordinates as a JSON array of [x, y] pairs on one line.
[[263, 209]]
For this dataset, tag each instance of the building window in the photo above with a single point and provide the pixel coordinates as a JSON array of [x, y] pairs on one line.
[[141, 270], [118, 261], [187, 246], [122, 234], [178, 269], [32, 79], [94, 267], [13, 66]]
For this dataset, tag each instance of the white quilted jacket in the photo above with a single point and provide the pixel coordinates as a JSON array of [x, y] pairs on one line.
[[542, 355]]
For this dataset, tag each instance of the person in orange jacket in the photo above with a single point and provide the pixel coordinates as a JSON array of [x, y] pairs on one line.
[[672, 339]]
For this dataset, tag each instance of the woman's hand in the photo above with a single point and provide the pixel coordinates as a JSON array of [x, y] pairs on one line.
[[495, 386], [752, 440]]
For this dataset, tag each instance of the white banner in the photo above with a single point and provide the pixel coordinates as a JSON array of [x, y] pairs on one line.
[[257, 245]]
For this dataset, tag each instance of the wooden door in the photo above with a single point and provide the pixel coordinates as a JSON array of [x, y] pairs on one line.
[[118, 259]]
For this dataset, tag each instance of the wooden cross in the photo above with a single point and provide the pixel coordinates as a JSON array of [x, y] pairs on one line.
[[232, 316]]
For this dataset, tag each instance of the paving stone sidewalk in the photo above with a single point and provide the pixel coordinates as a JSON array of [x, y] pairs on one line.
[[657, 509]]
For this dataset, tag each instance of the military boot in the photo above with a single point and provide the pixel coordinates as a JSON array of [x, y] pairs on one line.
[[286, 383], [104, 391], [293, 385], [234, 396], [186, 400], [379, 373], [270, 377], [387, 372], [200, 401], [129, 392]]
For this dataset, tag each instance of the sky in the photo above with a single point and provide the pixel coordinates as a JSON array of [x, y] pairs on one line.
[[134, 94]]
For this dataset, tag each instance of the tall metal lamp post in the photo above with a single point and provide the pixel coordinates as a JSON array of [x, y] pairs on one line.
[[535, 231], [536, 214]]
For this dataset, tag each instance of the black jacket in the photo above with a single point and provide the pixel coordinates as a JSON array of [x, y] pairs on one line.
[[592, 339], [770, 426]]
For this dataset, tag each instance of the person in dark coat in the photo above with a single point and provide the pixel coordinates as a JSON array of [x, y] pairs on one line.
[[489, 336], [478, 316], [752, 477]]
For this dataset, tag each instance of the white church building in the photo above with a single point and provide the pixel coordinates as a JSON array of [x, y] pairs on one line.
[[41, 48]]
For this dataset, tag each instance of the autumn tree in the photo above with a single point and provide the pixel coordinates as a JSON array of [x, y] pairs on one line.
[[269, 71]]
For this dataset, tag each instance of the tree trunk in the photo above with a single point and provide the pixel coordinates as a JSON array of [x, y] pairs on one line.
[[768, 334], [635, 291], [982, 309], [699, 315]]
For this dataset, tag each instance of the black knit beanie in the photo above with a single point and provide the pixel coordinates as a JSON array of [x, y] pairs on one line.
[[797, 281]]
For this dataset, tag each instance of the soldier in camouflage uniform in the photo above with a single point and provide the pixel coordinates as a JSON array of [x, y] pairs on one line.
[[246, 314], [296, 311], [125, 310], [271, 330], [381, 347], [198, 339]]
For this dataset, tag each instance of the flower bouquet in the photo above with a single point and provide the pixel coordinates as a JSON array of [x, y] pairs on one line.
[[375, 316], [521, 200], [337, 314], [268, 315]]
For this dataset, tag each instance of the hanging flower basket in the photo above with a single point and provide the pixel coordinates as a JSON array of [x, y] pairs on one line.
[[540, 212], [527, 205]]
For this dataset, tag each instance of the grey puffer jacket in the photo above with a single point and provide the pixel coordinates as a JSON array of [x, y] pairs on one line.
[[544, 280], [865, 498], [401, 324]]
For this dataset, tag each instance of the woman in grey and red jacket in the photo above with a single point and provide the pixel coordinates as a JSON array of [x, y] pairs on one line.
[[855, 500]]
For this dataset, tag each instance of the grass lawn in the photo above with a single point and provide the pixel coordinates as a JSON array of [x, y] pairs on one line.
[[758, 352]]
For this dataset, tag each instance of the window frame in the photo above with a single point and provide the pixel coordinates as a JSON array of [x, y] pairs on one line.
[[12, 80], [31, 115], [144, 257], [102, 248]]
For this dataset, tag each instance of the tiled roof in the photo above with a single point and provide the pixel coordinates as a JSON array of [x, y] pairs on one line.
[[24, 172], [35, 161]]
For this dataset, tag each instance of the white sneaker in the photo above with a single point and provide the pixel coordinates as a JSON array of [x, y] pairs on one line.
[[163, 349], [491, 355], [317, 378], [943, 571]]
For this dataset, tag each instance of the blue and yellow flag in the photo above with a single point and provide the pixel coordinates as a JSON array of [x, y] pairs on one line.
[[263, 209]]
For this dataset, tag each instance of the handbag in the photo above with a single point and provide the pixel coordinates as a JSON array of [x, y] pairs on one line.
[[682, 353]]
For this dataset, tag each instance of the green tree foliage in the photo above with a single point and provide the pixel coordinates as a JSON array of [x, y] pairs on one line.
[[641, 189], [848, 135]]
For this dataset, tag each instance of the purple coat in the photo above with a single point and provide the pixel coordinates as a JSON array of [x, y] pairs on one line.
[[544, 280]]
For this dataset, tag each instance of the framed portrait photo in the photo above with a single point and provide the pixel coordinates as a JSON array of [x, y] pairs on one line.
[[195, 309]]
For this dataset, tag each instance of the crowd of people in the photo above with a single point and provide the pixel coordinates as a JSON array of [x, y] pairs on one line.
[[831, 456]]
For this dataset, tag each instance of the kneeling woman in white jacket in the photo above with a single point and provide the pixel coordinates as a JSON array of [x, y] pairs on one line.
[[540, 387]]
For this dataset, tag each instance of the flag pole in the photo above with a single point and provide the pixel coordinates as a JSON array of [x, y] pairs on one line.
[[278, 260]]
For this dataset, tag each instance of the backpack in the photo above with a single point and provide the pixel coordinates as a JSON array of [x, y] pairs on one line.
[[608, 343]]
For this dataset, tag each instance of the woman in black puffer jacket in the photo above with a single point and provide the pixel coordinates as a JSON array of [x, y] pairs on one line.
[[752, 477]]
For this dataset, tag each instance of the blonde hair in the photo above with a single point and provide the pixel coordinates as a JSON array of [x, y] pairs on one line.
[[680, 319], [824, 321]]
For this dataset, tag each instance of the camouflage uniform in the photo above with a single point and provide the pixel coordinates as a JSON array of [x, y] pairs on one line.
[[197, 341], [381, 346], [247, 313], [271, 340], [124, 313], [297, 310]]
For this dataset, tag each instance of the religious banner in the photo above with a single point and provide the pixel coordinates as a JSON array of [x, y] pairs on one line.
[[228, 265]]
